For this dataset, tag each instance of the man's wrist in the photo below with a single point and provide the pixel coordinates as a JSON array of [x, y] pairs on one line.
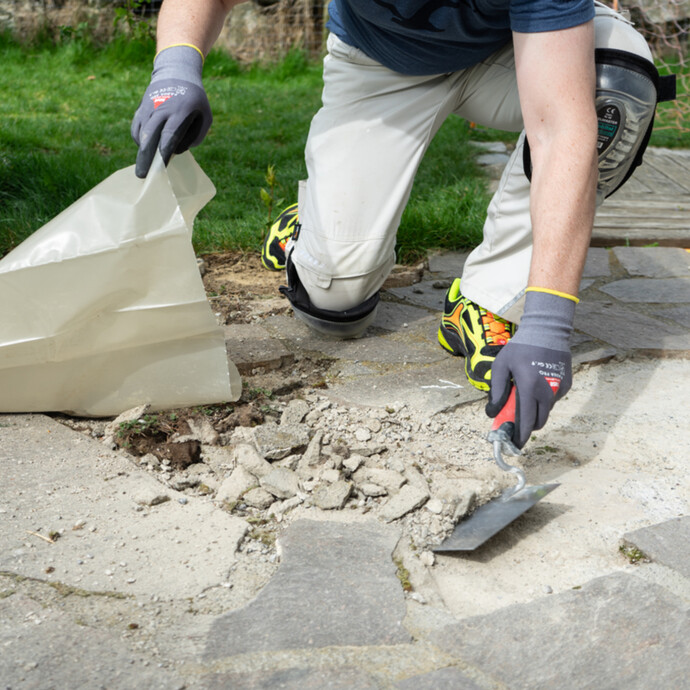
[[549, 291], [184, 62], [547, 320]]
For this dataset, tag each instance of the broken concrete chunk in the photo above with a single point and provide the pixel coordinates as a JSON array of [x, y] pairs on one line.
[[238, 483], [329, 475], [294, 413], [407, 499], [275, 443], [363, 434], [279, 508], [416, 478], [332, 496], [258, 498], [281, 482], [435, 506], [312, 454], [150, 496], [389, 479], [202, 430], [353, 463], [373, 490], [248, 457], [130, 415]]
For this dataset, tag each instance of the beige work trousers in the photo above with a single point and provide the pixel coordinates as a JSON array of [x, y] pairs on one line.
[[364, 147]]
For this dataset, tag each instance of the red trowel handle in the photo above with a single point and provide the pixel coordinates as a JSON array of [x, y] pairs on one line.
[[507, 413]]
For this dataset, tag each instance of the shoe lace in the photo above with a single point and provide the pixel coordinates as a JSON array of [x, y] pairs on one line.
[[497, 331]]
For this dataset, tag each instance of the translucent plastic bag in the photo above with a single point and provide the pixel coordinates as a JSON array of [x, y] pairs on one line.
[[103, 308]]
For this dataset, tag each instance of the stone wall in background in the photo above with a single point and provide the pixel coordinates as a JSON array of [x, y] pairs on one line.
[[256, 30], [267, 29]]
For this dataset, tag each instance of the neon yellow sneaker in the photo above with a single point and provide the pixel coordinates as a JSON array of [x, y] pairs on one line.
[[273, 251], [474, 333]]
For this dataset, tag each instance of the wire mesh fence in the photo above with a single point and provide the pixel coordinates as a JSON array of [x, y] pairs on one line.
[[665, 24]]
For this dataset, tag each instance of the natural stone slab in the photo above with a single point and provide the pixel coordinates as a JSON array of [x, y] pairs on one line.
[[54, 477], [423, 294], [650, 290], [450, 678], [251, 347], [493, 159], [594, 355], [597, 263], [679, 314], [665, 543], [300, 678], [626, 329], [492, 146], [617, 631], [336, 585], [654, 262], [392, 316], [448, 264], [42, 647]]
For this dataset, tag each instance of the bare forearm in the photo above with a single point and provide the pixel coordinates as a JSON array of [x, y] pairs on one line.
[[556, 79], [199, 22], [562, 207]]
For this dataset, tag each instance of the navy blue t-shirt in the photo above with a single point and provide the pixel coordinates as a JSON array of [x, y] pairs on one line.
[[436, 36]]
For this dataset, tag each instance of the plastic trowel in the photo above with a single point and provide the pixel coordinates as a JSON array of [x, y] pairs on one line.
[[498, 513]]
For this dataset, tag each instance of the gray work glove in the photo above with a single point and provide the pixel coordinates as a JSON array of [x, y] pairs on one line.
[[537, 361], [174, 113]]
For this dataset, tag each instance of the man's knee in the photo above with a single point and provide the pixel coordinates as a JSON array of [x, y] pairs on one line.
[[341, 308]]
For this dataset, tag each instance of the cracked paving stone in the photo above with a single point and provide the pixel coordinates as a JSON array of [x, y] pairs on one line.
[[597, 263], [665, 543], [627, 329], [295, 679], [450, 678], [449, 264], [336, 585], [423, 294], [650, 290], [618, 631], [654, 262]]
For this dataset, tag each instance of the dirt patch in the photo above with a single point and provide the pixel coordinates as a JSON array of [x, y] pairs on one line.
[[240, 289]]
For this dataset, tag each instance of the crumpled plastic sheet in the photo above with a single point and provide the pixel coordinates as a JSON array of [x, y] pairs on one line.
[[103, 308]]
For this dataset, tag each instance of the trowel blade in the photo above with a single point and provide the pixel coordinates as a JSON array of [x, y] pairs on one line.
[[492, 517]]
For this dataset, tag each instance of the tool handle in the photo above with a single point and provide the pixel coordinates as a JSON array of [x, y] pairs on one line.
[[507, 413], [503, 428]]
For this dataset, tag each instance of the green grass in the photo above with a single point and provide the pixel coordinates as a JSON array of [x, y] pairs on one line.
[[66, 114]]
